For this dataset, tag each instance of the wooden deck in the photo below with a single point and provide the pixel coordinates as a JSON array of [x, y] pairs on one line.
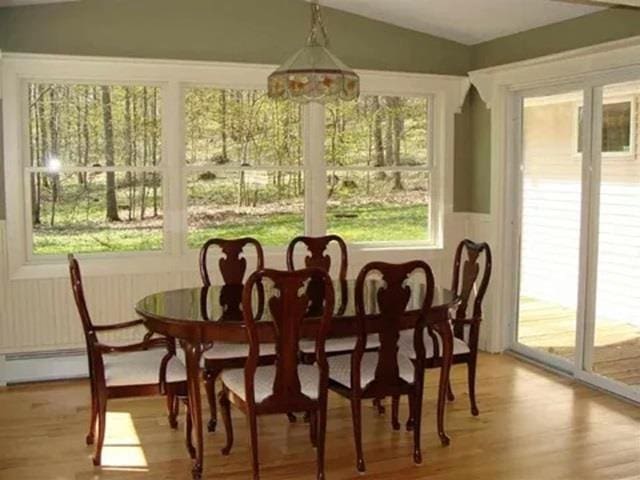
[[552, 328]]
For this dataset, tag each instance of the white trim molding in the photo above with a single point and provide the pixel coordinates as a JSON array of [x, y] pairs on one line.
[[447, 94], [502, 88]]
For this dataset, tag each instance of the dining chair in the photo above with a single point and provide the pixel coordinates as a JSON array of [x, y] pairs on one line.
[[318, 257], [386, 372], [465, 324], [147, 368], [287, 385], [233, 268]]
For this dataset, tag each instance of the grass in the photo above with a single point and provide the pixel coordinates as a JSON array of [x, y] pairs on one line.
[[366, 223]]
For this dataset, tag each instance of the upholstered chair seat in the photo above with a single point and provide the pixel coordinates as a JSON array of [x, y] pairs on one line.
[[340, 344], [141, 368], [263, 381], [225, 350], [406, 345], [340, 368]]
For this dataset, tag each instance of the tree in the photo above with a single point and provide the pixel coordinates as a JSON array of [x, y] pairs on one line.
[[109, 153]]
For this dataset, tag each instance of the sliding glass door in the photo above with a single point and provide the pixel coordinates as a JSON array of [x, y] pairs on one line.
[[578, 233], [551, 192]]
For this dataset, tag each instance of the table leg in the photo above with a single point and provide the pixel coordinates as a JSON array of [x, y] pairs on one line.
[[444, 329], [193, 351]]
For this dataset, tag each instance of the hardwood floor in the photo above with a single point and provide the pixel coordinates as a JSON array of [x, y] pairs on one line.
[[532, 425], [551, 327]]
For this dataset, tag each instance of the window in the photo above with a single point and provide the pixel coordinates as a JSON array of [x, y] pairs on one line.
[[617, 124], [147, 159], [93, 168], [378, 160], [245, 168]]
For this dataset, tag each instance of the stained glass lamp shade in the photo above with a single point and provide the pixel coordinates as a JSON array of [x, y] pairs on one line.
[[313, 73]]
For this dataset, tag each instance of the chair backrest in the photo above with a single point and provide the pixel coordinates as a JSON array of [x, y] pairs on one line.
[[233, 268], [287, 307], [318, 258], [391, 300], [81, 303], [465, 276]]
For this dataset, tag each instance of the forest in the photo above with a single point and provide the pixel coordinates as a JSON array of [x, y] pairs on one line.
[[96, 167]]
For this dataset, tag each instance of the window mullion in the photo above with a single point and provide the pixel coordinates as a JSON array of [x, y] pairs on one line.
[[172, 157], [316, 170]]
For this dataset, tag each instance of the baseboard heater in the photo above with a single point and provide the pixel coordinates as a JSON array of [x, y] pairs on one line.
[[26, 367]]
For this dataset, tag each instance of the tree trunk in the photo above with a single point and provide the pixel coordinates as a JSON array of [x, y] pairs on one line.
[[128, 142], [154, 149], [109, 152], [145, 152], [398, 132], [34, 126], [53, 132], [223, 124]]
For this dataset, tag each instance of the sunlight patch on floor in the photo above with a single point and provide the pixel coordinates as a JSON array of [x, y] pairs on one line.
[[122, 449]]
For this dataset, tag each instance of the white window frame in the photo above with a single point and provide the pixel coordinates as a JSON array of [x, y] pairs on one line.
[[447, 94], [630, 155]]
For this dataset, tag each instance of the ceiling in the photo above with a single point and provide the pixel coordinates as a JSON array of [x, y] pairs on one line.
[[466, 21]]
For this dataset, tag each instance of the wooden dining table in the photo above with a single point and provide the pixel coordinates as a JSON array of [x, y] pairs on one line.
[[199, 317]]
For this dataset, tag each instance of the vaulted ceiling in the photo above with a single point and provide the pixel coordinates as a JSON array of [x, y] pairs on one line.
[[466, 21]]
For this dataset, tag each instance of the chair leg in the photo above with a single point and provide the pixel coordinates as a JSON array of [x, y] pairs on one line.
[[417, 424], [356, 416], [471, 377], [253, 430], [395, 407], [412, 415], [450, 396], [94, 418], [313, 428], [188, 431], [210, 377], [171, 407], [378, 405], [102, 426], [321, 429], [225, 410]]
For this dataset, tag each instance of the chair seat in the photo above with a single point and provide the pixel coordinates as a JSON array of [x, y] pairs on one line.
[[141, 368], [227, 351], [263, 383], [405, 344], [340, 368], [340, 344]]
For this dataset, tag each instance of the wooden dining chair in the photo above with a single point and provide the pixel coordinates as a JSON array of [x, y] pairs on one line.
[[287, 385], [149, 367], [233, 269], [387, 372], [318, 257], [465, 323]]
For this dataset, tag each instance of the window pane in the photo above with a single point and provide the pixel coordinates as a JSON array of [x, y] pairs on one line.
[[378, 131], [94, 125], [267, 205], [241, 127], [81, 213], [379, 205], [616, 127]]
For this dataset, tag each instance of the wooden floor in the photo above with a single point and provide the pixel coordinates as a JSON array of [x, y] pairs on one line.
[[532, 425], [552, 328]]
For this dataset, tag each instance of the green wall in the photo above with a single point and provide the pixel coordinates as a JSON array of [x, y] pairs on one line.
[[254, 31], [260, 31]]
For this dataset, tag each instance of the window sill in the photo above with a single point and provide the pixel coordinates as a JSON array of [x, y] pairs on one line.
[[146, 263]]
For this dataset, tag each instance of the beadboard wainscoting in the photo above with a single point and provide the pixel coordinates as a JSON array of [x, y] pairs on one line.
[[41, 336]]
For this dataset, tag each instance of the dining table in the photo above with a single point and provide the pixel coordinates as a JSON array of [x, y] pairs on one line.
[[201, 316]]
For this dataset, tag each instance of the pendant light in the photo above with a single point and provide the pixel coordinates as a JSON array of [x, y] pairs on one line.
[[313, 73]]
